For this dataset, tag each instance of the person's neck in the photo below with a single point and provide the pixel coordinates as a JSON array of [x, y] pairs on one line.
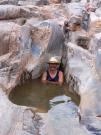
[[52, 71]]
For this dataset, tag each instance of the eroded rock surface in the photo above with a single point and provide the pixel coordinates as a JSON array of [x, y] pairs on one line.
[[83, 71], [25, 51], [29, 35], [17, 120], [83, 77], [64, 117]]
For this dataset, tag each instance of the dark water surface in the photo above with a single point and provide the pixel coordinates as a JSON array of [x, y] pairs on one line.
[[36, 94]]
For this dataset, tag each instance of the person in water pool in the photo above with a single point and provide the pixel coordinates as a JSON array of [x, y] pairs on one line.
[[53, 75]]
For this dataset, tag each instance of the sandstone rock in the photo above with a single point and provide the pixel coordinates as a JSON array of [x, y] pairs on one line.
[[42, 2], [95, 43], [98, 12], [27, 2], [84, 1], [46, 43], [25, 48], [8, 34], [66, 1], [97, 3], [30, 46], [74, 23], [95, 48], [85, 21], [20, 21], [17, 120], [4, 2], [64, 117], [98, 61], [56, 12], [83, 41], [79, 37], [94, 23], [74, 9], [12, 12], [26, 52], [54, 1], [83, 78], [75, 0]]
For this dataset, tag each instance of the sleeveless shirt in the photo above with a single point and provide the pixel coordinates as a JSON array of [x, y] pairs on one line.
[[55, 79]]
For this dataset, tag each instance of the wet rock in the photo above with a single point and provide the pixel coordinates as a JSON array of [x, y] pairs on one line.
[[59, 99]]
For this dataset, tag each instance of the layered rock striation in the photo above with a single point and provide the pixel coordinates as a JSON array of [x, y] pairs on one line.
[[29, 35]]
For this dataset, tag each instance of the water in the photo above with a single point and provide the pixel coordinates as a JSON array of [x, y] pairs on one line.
[[39, 95]]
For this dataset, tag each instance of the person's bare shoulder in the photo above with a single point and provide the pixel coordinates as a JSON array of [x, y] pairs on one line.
[[61, 77], [60, 73], [44, 77]]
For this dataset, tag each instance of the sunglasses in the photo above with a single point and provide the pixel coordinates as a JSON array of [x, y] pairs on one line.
[[53, 65]]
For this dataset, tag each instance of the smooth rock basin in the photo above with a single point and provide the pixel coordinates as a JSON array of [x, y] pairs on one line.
[[42, 96], [28, 35], [57, 106]]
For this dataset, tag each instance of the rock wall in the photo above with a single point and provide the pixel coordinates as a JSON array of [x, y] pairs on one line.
[[17, 120], [83, 68], [29, 35], [82, 78], [24, 50]]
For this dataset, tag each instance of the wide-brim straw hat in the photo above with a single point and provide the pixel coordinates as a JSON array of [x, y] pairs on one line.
[[54, 60]]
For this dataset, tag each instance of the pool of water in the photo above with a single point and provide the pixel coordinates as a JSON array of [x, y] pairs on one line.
[[36, 94]]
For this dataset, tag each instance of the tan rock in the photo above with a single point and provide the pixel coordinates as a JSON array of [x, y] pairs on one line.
[[83, 78], [54, 1]]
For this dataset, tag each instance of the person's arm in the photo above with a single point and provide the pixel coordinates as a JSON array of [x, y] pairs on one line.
[[61, 78], [59, 82], [44, 77], [51, 82]]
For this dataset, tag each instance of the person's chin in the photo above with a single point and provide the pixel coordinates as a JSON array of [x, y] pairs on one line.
[[53, 70]]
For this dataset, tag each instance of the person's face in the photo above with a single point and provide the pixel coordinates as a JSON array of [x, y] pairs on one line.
[[53, 66]]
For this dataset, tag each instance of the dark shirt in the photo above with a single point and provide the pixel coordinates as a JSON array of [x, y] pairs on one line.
[[55, 79]]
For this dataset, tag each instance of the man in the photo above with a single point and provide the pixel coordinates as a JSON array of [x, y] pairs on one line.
[[53, 75]]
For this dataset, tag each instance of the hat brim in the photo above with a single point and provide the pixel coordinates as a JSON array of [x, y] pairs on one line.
[[53, 62]]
